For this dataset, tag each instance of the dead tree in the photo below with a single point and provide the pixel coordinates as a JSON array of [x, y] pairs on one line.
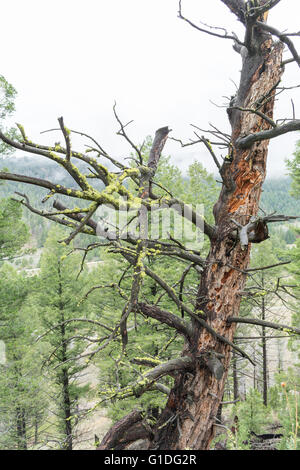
[[189, 418]]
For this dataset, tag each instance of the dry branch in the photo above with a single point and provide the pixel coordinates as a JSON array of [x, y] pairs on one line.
[[256, 321]]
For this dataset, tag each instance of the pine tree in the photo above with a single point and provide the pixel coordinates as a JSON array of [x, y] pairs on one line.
[[13, 231], [294, 170], [58, 297]]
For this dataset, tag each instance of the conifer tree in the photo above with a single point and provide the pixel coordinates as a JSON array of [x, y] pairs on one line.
[[58, 296], [22, 392]]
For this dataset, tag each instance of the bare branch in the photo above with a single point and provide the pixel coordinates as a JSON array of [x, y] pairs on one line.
[[144, 361], [83, 222], [257, 11], [256, 321], [181, 284], [255, 111], [66, 134], [159, 141], [72, 215], [247, 141], [188, 212], [99, 149], [282, 37], [61, 221], [124, 134], [168, 318], [109, 286], [267, 267], [51, 153], [162, 388], [195, 317], [225, 35], [30, 180], [216, 133], [148, 379], [85, 320], [287, 61], [237, 7], [209, 148]]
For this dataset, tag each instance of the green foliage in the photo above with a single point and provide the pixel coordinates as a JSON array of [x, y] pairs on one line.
[[7, 107], [22, 392], [201, 188], [13, 231], [58, 296], [288, 385], [294, 170], [8, 94], [251, 415], [294, 271], [277, 196]]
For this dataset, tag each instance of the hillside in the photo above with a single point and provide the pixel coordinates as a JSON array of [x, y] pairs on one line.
[[275, 197]]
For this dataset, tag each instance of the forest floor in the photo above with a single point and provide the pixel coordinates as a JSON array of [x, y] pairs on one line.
[[96, 423]]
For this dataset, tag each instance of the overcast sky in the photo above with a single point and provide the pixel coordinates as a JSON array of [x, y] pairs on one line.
[[74, 59]]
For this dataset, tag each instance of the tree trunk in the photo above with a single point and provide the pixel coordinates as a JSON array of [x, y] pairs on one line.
[[64, 375], [235, 377], [254, 372], [195, 399], [264, 351], [36, 429], [21, 428], [68, 444]]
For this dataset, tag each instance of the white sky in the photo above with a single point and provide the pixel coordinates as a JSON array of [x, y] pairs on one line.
[[73, 59]]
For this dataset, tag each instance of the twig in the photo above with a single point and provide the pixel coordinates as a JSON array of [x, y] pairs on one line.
[[267, 267], [209, 148], [255, 111], [211, 33], [123, 134], [66, 134], [79, 228]]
